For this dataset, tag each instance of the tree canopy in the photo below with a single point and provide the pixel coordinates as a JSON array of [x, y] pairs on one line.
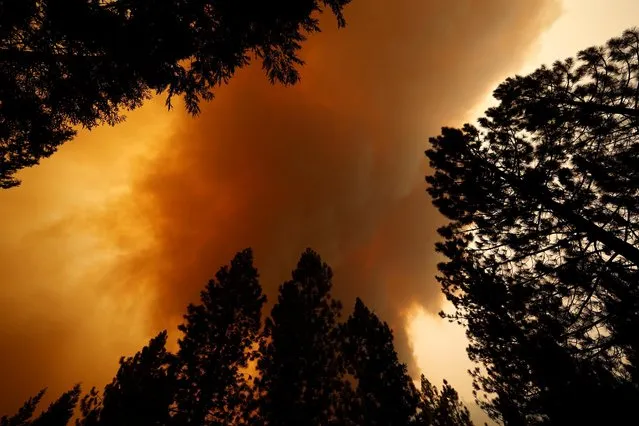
[[141, 392], [59, 413], [441, 408], [303, 367], [69, 63], [384, 394], [216, 345], [300, 364], [541, 247]]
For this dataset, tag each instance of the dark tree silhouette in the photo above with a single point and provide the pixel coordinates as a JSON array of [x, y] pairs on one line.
[[301, 372], [441, 408], [542, 244], [311, 369], [67, 63], [384, 392], [60, 411], [217, 345], [142, 392], [57, 414], [25, 412]]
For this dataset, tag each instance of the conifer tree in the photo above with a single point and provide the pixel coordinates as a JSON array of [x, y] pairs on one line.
[[24, 413], [219, 333], [384, 392], [301, 371], [440, 408], [311, 369], [58, 413], [542, 248], [141, 393], [68, 63]]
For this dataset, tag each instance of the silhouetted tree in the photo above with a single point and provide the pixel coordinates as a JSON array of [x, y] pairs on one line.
[[66, 63], [217, 345], [25, 412], [311, 369], [441, 409], [57, 414], [301, 372], [384, 392], [542, 243], [142, 392]]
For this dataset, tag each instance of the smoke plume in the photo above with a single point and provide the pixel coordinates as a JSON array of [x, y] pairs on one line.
[[106, 243]]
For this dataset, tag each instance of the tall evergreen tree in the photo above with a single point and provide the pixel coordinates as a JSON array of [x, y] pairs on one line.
[[217, 345], [312, 369], [542, 244], [440, 408], [58, 413], [301, 372], [66, 63], [141, 393], [24, 413], [384, 392]]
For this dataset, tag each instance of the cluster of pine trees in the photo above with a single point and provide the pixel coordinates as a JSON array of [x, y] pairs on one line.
[[541, 248], [303, 366], [542, 245]]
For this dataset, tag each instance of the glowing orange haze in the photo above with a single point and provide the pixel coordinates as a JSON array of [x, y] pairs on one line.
[[105, 243]]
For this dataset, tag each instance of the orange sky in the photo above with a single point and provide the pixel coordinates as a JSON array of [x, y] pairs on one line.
[[106, 242]]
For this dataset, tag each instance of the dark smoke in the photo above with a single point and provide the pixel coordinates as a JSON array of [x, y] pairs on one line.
[[335, 163]]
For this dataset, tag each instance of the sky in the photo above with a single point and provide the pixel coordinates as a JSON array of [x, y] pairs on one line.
[[105, 243]]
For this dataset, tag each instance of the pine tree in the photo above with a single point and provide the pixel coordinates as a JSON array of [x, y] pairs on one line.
[[217, 345], [384, 393], [312, 369], [66, 63], [542, 244], [58, 413], [24, 413], [301, 372], [441, 409], [141, 393]]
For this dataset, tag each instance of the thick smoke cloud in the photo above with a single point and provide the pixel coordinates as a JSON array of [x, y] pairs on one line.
[[335, 163]]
